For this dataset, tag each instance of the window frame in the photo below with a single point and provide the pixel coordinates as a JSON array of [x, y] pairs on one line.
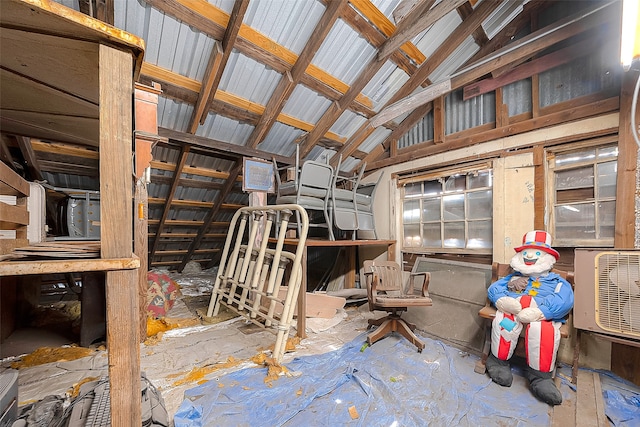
[[442, 176], [552, 192]]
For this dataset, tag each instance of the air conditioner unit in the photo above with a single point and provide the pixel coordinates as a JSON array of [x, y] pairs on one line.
[[607, 292]]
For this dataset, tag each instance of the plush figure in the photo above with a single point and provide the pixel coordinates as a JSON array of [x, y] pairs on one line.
[[537, 300]]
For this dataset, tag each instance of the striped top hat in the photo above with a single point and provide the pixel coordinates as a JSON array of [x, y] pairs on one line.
[[538, 239]]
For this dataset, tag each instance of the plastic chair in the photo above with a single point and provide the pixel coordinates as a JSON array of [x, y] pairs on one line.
[[310, 189], [385, 291], [365, 199], [343, 209]]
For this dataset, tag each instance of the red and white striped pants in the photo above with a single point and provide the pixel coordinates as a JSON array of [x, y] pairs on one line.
[[541, 339]]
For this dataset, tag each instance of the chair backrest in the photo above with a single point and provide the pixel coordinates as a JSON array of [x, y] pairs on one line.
[[388, 274], [315, 179], [351, 183]]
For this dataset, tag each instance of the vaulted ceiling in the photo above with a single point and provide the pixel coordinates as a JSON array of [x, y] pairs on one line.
[[260, 78]]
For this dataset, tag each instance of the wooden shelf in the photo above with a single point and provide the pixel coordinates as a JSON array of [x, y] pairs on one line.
[[21, 268]]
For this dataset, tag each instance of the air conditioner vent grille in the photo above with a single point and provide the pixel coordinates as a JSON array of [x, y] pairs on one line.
[[618, 292]]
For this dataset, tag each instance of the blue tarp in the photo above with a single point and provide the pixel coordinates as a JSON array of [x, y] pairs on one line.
[[389, 384]]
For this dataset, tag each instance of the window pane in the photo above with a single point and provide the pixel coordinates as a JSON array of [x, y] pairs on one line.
[[413, 189], [411, 212], [607, 219], [455, 183], [431, 209], [454, 235], [587, 155], [607, 173], [480, 234], [453, 207], [576, 221], [431, 235], [480, 205], [480, 180], [432, 188], [412, 235], [575, 178]]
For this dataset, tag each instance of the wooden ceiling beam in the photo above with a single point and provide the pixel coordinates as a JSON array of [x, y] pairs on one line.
[[375, 38], [479, 35], [336, 109], [211, 214], [175, 182], [228, 42], [386, 27], [522, 48], [447, 47], [30, 158], [290, 80], [418, 20], [507, 34], [186, 182], [538, 65], [210, 20], [209, 86], [238, 150], [452, 42], [152, 72]]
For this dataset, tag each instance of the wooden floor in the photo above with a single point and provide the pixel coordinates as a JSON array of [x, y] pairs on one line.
[[588, 407]]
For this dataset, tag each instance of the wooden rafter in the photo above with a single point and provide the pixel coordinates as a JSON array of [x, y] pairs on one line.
[[234, 150], [386, 27], [506, 58], [228, 42], [184, 152], [370, 33], [440, 55], [29, 156], [290, 79], [211, 214], [210, 20], [526, 47], [166, 77], [419, 19]]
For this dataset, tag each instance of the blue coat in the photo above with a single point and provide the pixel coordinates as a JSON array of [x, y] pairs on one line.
[[552, 293]]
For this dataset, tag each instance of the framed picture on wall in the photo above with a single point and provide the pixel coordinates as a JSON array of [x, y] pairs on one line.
[[257, 175]]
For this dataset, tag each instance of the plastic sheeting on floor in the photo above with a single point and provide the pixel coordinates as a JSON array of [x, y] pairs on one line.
[[387, 384]]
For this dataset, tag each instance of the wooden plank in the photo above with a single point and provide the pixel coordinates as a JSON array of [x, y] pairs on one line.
[[597, 391], [453, 143], [7, 245], [590, 404], [565, 414], [289, 80], [116, 171], [141, 248], [12, 217], [199, 113], [19, 268], [586, 413], [228, 43], [12, 184], [411, 27]]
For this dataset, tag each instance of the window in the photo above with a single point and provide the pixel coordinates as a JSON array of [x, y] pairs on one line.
[[450, 213], [584, 195]]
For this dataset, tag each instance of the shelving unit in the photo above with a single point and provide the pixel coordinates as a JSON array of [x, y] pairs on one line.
[[70, 78]]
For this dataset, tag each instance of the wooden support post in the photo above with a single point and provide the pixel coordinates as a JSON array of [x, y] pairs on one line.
[[141, 248], [123, 334]]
